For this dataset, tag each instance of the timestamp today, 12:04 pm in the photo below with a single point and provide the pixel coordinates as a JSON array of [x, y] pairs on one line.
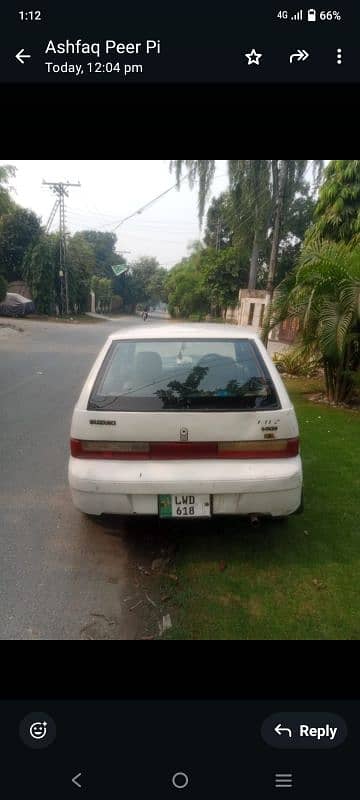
[[94, 68]]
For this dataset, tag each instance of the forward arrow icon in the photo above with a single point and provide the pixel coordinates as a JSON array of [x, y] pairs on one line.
[[300, 55]]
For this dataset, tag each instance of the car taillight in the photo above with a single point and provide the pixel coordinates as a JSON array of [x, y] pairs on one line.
[[162, 451], [81, 448], [272, 448]]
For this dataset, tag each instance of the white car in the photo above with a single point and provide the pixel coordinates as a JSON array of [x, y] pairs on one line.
[[185, 421]]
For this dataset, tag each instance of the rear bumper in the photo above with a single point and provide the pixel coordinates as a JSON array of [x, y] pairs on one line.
[[237, 487]]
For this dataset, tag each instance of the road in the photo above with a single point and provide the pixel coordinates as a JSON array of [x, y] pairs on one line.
[[63, 576]]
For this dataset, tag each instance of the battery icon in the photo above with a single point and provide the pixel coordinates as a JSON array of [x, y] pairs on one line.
[[311, 15]]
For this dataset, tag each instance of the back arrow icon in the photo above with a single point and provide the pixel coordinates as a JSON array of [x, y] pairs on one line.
[[20, 55], [279, 730], [301, 55], [74, 779]]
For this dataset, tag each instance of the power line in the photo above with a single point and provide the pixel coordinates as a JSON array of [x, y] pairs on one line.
[[140, 210], [151, 202]]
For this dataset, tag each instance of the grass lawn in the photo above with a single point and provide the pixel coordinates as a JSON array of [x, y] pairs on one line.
[[294, 580]]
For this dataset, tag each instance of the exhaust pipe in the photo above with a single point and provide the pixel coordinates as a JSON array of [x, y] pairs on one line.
[[254, 520]]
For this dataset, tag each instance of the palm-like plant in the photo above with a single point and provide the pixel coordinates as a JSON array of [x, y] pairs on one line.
[[324, 294], [337, 214]]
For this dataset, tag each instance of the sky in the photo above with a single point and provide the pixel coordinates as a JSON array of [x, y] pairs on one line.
[[112, 190]]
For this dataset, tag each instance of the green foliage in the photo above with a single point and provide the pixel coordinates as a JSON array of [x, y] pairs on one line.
[[143, 272], [102, 287], [337, 213], [298, 218], [156, 286], [220, 222], [206, 282], [297, 362], [224, 273], [261, 194], [124, 285], [250, 183], [186, 289], [6, 203], [3, 288], [80, 260], [40, 271], [324, 294], [20, 229], [104, 251], [203, 172], [144, 284]]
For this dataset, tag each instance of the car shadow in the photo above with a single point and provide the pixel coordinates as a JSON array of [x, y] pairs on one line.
[[147, 538]]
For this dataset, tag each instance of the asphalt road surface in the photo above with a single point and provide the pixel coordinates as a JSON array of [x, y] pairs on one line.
[[63, 576]]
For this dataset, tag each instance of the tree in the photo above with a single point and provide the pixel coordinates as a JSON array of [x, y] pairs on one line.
[[186, 289], [19, 231], [143, 284], [278, 181], [80, 258], [337, 213], [40, 270], [156, 286], [298, 218], [219, 229], [6, 203], [224, 273], [104, 250], [280, 172], [287, 180], [102, 288], [250, 183], [144, 270], [204, 171], [324, 294], [124, 286]]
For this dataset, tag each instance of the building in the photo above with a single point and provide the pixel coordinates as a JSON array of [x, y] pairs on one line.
[[250, 312]]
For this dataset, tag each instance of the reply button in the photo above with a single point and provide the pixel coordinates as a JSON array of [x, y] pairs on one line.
[[304, 730]]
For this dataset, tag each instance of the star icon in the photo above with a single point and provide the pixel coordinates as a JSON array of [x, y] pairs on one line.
[[253, 57]]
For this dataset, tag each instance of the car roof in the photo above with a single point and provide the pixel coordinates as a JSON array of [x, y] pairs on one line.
[[184, 330]]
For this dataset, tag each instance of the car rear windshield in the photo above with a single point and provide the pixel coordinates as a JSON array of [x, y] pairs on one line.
[[173, 374]]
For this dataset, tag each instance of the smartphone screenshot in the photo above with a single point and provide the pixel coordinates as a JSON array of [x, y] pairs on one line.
[[179, 399]]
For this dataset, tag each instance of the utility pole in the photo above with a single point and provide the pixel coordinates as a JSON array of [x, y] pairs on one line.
[[60, 189]]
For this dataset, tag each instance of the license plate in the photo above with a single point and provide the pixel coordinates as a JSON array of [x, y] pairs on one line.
[[184, 505]]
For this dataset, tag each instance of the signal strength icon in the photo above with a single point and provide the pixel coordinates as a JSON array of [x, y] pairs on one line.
[[298, 16]]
